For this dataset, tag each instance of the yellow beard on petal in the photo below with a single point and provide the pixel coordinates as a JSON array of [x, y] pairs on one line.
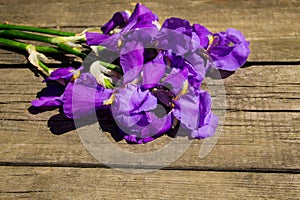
[[110, 100]]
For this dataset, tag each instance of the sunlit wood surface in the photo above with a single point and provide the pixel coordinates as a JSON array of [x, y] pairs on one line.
[[256, 156]]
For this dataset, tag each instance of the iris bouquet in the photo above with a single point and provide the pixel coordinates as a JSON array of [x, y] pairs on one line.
[[148, 76]]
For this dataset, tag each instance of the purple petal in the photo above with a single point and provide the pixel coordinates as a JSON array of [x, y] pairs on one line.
[[196, 70], [174, 41], [132, 99], [230, 50], [132, 139], [203, 33], [198, 64], [152, 130], [93, 38], [132, 111], [118, 19], [131, 60], [128, 122], [111, 43], [47, 102], [87, 79], [143, 34], [84, 97], [179, 25], [206, 130], [157, 126], [194, 112], [188, 110], [140, 15], [175, 80], [63, 75], [235, 36], [51, 96], [153, 71], [204, 107]]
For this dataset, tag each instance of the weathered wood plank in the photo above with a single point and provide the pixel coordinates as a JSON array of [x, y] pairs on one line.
[[261, 131], [95, 183], [263, 134], [272, 26], [248, 141]]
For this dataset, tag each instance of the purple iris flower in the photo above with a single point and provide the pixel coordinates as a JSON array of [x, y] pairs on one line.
[[183, 45], [162, 73], [193, 109], [134, 112], [141, 18], [169, 89], [51, 96], [229, 50], [178, 36], [203, 34], [84, 97], [193, 63], [64, 75]]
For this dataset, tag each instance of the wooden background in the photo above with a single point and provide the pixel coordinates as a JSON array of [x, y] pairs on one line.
[[256, 156]]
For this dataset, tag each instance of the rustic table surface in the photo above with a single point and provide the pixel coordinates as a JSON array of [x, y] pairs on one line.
[[256, 156]]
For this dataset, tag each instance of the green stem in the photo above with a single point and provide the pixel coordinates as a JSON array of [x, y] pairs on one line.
[[29, 36], [36, 29], [111, 67], [22, 46], [68, 49], [44, 49], [26, 36], [13, 44], [44, 67]]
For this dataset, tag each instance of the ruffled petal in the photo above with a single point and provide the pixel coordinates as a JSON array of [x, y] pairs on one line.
[[132, 99], [203, 33], [194, 112], [153, 71], [206, 130], [93, 38], [119, 19], [47, 102], [230, 50], [131, 60], [84, 97]]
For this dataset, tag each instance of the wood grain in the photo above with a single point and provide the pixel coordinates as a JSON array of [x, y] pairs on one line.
[[261, 126], [248, 142], [261, 129], [256, 156], [86, 183], [272, 26]]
